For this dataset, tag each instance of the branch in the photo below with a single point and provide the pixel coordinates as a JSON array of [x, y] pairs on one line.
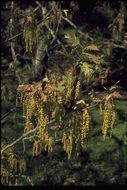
[[38, 24], [19, 139], [42, 58], [9, 39], [11, 110], [22, 137], [23, 141], [14, 54], [70, 22], [119, 46], [54, 35], [64, 18], [27, 178], [75, 27], [38, 3]]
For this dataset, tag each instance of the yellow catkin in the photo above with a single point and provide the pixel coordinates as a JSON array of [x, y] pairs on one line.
[[109, 118], [29, 34], [33, 107], [69, 82], [60, 100], [30, 106], [42, 120], [37, 147], [15, 165], [13, 162], [100, 108], [77, 90], [68, 143], [49, 141], [22, 165], [28, 110], [4, 176], [39, 111], [41, 132], [28, 126], [85, 126], [50, 144], [64, 141]]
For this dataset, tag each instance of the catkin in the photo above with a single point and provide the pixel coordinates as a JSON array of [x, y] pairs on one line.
[[77, 90], [85, 126], [100, 108], [29, 34], [37, 147], [69, 82], [109, 118], [68, 143], [22, 165], [4, 176]]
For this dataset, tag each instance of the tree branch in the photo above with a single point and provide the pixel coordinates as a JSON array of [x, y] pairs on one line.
[[13, 37], [69, 21], [27, 178], [19, 139], [14, 54], [23, 136], [6, 114], [38, 24]]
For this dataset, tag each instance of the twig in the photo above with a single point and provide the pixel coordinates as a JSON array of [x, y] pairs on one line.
[[36, 9], [44, 17], [24, 147], [19, 139], [12, 37], [19, 34], [23, 140], [75, 27], [64, 18], [54, 36], [38, 3], [118, 46], [30, 181], [22, 137], [13, 53], [70, 22], [27, 178], [6, 114], [60, 43], [57, 28]]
